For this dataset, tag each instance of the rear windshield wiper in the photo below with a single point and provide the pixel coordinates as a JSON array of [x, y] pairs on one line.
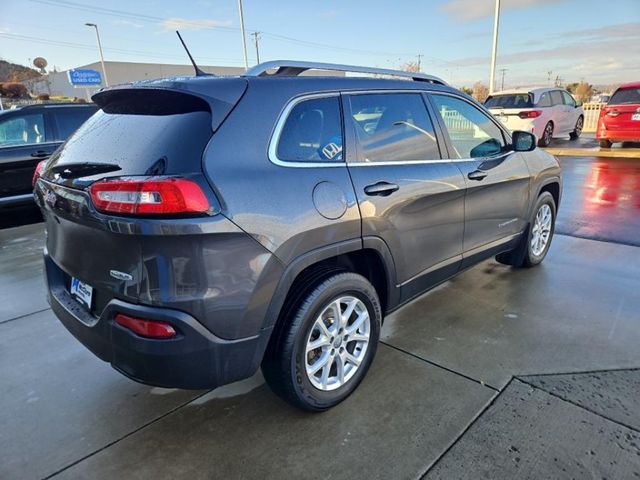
[[84, 169]]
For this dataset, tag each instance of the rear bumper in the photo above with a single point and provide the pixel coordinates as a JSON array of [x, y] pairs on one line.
[[194, 359], [619, 135]]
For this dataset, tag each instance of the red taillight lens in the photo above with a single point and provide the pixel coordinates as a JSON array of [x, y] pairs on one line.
[[37, 172], [146, 328], [149, 197], [530, 114]]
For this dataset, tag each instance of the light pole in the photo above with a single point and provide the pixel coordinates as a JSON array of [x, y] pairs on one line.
[[104, 70], [244, 38], [494, 51]]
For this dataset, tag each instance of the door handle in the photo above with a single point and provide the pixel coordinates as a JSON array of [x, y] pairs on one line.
[[40, 154], [477, 175], [382, 189]]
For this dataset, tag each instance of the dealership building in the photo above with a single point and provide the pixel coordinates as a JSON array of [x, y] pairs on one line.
[[58, 84]]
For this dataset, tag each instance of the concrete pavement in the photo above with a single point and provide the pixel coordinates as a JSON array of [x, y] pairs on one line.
[[456, 384]]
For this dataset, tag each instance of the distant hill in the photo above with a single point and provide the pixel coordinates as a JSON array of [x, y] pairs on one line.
[[11, 72]]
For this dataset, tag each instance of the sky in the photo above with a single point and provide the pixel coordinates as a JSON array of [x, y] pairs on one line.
[[589, 40]]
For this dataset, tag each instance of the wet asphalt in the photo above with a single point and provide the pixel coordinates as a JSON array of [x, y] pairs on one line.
[[498, 373]]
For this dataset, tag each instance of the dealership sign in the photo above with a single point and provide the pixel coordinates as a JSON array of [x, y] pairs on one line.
[[84, 78]]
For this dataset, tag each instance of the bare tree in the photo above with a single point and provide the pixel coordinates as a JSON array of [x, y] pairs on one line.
[[412, 67], [583, 91], [480, 91]]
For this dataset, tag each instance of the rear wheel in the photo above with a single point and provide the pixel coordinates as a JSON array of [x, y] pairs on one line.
[[327, 345], [534, 245], [578, 129], [606, 143], [547, 135]]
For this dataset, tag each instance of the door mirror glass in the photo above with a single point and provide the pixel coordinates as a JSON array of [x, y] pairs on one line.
[[523, 141], [488, 148]]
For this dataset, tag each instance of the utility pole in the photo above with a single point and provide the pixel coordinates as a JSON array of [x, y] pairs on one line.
[[494, 50], [549, 72], [244, 38], [503, 71], [256, 39], [419, 61], [104, 70]]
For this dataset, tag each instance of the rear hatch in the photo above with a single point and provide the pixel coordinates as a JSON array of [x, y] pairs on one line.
[[512, 108], [151, 134], [623, 110]]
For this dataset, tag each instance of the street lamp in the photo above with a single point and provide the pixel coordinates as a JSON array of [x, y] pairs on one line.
[[494, 50], [104, 70], [244, 38]]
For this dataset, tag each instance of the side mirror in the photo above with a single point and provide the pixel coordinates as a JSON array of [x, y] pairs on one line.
[[523, 141]]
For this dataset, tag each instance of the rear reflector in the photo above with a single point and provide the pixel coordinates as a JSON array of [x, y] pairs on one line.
[[530, 114], [37, 172], [157, 196], [146, 328]]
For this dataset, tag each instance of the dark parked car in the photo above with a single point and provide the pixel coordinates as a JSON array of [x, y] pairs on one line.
[[199, 228], [28, 135]]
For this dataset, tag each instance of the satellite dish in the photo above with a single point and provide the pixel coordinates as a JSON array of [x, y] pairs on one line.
[[40, 63]]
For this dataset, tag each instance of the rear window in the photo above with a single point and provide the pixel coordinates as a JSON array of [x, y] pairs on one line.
[[141, 140], [625, 95], [520, 100], [69, 119]]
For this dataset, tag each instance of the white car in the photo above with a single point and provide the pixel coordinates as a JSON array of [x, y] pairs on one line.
[[546, 112]]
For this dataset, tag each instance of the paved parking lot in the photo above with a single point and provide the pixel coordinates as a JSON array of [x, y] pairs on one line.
[[496, 374]]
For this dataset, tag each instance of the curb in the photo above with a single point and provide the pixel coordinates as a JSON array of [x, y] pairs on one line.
[[595, 152]]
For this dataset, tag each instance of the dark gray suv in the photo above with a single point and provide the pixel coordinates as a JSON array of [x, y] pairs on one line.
[[199, 228]]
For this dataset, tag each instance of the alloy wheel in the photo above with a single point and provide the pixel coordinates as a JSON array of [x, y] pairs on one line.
[[541, 232], [578, 129], [337, 343]]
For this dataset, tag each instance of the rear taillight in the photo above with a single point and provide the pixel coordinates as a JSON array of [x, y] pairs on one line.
[[37, 172], [530, 114], [146, 328], [155, 196]]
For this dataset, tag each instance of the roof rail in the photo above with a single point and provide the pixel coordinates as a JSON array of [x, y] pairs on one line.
[[292, 68]]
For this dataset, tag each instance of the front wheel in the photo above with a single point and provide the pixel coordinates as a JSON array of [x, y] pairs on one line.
[[327, 345], [534, 245], [578, 129], [547, 135]]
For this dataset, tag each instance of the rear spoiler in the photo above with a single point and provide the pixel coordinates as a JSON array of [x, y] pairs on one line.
[[174, 96]]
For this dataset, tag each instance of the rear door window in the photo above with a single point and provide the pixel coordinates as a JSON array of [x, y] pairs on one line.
[[393, 128], [312, 132], [625, 96], [545, 100], [22, 130], [69, 119], [556, 97]]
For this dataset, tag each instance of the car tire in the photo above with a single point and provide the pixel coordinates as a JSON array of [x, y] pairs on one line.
[[535, 242], [578, 128], [606, 143], [290, 361], [547, 135]]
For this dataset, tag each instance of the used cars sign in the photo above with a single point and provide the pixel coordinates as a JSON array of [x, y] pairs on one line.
[[84, 78]]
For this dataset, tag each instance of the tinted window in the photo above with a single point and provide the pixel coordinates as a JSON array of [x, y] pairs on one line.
[[393, 127], [312, 132], [509, 101], [625, 95], [556, 98], [22, 130], [568, 99], [545, 100], [473, 134], [140, 144], [69, 119]]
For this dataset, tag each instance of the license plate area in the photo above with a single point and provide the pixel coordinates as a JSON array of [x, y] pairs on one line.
[[636, 117], [82, 293]]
